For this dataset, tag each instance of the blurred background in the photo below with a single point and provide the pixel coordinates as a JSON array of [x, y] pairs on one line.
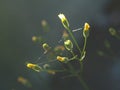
[[21, 19]]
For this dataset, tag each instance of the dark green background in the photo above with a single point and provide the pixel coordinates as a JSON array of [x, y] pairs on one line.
[[21, 19]]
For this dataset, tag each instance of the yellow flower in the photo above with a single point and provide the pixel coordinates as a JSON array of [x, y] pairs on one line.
[[34, 67], [61, 59], [62, 17], [86, 26], [64, 20], [86, 30], [30, 65]]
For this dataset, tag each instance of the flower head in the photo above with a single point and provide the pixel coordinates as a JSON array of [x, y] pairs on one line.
[[86, 30], [30, 65], [62, 59], [64, 20], [68, 45], [34, 67], [62, 17], [86, 26], [46, 47]]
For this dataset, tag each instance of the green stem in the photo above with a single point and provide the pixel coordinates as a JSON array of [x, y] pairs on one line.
[[72, 36], [81, 67], [83, 50], [60, 70], [72, 53], [82, 82], [85, 42], [79, 76], [71, 67], [81, 64]]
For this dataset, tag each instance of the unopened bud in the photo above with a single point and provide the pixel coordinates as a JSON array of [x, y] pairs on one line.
[[68, 45], [86, 30], [62, 59], [34, 67], [46, 47], [64, 21]]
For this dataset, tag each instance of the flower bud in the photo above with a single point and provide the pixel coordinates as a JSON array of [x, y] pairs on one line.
[[34, 67], [64, 21], [46, 47], [68, 45], [62, 59], [86, 30], [86, 26]]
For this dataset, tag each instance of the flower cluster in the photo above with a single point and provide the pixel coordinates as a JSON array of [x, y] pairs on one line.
[[69, 42]]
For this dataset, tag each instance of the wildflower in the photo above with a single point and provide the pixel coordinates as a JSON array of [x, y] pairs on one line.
[[86, 30], [64, 21], [86, 27], [62, 59], [68, 45], [46, 47], [34, 67]]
